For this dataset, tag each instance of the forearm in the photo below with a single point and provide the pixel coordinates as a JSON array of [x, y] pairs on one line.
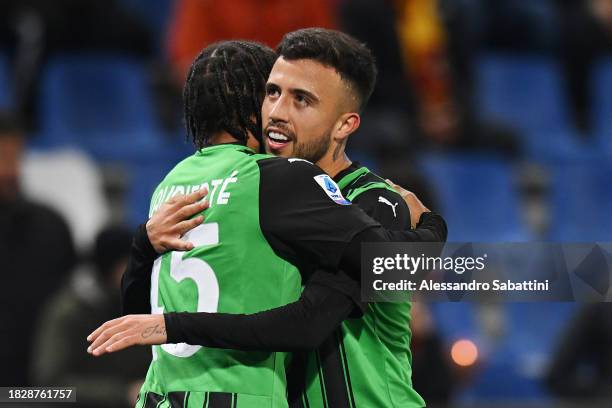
[[431, 228], [136, 281], [302, 325]]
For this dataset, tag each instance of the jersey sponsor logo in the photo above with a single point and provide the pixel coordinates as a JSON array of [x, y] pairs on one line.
[[383, 200], [331, 189]]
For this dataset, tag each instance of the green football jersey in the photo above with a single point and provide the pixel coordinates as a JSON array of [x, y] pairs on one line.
[[207, 279], [270, 222], [367, 362]]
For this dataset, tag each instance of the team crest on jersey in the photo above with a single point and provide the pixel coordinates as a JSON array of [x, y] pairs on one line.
[[331, 189]]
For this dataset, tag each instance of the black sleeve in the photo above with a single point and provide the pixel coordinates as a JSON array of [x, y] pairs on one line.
[[136, 280], [303, 215], [307, 221], [386, 207], [431, 228], [326, 300]]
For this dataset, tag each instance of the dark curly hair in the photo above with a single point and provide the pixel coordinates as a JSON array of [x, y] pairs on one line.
[[352, 60], [224, 91]]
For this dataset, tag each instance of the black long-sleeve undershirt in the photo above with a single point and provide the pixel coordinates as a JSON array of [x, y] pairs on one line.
[[303, 325], [326, 301], [136, 280]]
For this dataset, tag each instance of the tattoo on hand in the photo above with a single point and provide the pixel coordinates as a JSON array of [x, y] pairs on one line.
[[149, 331]]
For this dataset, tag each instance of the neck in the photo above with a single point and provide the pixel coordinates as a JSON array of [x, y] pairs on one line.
[[222, 137], [333, 167]]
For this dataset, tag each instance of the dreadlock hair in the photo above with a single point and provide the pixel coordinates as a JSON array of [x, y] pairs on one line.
[[352, 60], [224, 91]]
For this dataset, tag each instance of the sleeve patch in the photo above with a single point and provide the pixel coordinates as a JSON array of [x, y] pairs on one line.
[[331, 189]]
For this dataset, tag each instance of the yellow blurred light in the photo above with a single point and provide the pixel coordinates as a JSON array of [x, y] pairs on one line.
[[464, 353]]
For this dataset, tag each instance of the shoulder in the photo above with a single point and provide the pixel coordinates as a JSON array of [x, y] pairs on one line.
[[362, 180], [281, 171], [379, 196], [373, 195], [286, 165]]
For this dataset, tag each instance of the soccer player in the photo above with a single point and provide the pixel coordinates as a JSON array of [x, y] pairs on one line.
[[289, 226]]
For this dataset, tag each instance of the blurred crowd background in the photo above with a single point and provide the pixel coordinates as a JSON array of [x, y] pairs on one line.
[[497, 113]]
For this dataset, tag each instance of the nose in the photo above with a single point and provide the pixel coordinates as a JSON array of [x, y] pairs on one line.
[[279, 111]]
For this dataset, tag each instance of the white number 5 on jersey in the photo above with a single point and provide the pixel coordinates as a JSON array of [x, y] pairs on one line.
[[198, 271]]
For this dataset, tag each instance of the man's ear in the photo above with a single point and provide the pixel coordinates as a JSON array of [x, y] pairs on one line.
[[346, 125], [253, 143]]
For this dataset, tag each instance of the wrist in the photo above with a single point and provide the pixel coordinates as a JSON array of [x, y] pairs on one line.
[[143, 243]]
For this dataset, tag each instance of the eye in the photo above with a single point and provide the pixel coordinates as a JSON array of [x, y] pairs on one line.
[[272, 91], [302, 100]]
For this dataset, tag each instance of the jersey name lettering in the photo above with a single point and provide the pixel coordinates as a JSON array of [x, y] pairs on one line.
[[218, 193]]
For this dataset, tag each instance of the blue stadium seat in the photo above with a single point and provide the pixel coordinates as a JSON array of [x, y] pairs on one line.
[[99, 102], [512, 366], [527, 93], [602, 103], [477, 197], [6, 98], [156, 18], [582, 201]]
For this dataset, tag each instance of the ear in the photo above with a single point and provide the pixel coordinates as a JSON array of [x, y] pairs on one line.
[[253, 143], [347, 124]]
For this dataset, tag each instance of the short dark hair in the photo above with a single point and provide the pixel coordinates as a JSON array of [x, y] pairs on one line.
[[352, 59], [224, 90]]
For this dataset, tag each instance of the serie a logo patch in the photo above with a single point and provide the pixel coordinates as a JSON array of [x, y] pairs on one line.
[[331, 189]]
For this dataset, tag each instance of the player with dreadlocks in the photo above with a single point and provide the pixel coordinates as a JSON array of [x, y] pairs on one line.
[[219, 96], [272, 224]]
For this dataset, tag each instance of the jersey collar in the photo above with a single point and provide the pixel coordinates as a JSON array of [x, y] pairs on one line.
[[223, 146]]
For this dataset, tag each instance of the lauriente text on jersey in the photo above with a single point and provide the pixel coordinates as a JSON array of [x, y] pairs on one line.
[[217, 185]]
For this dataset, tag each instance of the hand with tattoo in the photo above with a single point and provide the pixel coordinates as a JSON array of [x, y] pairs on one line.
[[127, 331]]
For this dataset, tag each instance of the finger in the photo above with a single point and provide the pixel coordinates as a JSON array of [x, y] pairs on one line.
[[197, 195], [187, 225], [176, 244], [190, 210], [185, 199], [398, 189], [123, 343], [101, 339], [173, 200], [103, 327], [102, 348], [109, 332]]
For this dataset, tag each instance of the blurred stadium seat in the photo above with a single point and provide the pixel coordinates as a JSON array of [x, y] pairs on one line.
[[156, 17], [477, 196], [56, 177], [527, 93], [516, 364], [602, 102], [582, 201], [145, 175], [99, 102], [5, 83]]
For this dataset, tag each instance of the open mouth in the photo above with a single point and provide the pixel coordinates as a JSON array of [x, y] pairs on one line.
[[277, 139]]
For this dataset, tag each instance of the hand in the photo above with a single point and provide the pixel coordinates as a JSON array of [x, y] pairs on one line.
[[171, 221], [127, 331], [414, 204]]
